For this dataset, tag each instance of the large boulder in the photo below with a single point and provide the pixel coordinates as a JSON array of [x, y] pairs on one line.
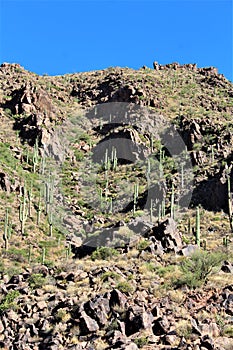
[[167, 233]]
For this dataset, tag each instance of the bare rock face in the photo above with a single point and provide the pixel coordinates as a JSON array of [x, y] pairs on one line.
[[127, 143], [32, 100], [35, 110], [211, 193]]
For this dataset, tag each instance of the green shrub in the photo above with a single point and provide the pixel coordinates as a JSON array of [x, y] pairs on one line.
[[150, 266], [125, 287], [110, 274], [8, 302], [113, 326], [104, 253], [140, 342], [161, 271], [228, 331], [62, 315], [142, 245], [198, 267], [36, 280], [16, 254]]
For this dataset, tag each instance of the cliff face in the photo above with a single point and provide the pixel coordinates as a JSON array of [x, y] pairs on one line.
[[129, 149]]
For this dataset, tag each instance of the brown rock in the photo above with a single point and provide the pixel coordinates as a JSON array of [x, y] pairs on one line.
[[42, 305], [137, 319], [116, 298], [161, 326], [87, 324]]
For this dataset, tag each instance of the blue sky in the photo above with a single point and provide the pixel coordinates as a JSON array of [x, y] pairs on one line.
[[58, 36]]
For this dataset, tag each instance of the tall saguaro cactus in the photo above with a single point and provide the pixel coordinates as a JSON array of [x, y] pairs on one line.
[[49, 192], [23, 210], [6, 227], [30, 197], [39, 208], [35, 158], [50, 221], [198, 231], [136, 188], [173, 202]]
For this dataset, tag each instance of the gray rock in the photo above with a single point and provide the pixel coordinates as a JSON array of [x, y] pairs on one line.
[[189, 249], [138, 319], [87, 324], [161, 326], [207, 342], [166, 232], [227, 267]]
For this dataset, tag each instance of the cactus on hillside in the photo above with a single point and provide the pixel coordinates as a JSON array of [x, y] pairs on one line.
[[135, 199], [172, 213], [6, 229], [35, 158], [197, 232], [23, 209], [50, 221]]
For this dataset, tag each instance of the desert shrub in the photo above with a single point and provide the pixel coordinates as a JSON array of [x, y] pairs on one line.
[[104, 253], [150, 266], [8, 302], [125, 287], [113, 326], [19, 255], [196, 269], [228, 331], [184, 329], [140, 342], [110, 274], [161, 271], [36, 280], [62, 315], [143, 244]]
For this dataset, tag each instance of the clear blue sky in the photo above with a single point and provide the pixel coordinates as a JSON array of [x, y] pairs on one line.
[[58, 36]]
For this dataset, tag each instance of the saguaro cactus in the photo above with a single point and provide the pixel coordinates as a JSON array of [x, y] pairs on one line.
[[43, 256], [151, 210], [35, 158], [49, 192], [23, 210], [135, 199], [161, 159], [173, 202], [39, 209], [226, 241], [6, 227], [30, 197], [198, 232], [50, 221]]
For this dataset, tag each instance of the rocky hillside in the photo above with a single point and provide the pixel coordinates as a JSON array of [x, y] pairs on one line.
[[116, 209]]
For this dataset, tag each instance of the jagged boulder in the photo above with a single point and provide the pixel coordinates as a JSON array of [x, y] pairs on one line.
[[166, 232]]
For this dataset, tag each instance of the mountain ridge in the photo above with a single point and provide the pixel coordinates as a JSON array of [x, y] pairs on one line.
[[136, 277]]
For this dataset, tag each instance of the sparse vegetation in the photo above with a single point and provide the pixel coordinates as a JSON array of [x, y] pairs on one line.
[[8, 301], [104, 253], [138, 267], [197, 268]]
